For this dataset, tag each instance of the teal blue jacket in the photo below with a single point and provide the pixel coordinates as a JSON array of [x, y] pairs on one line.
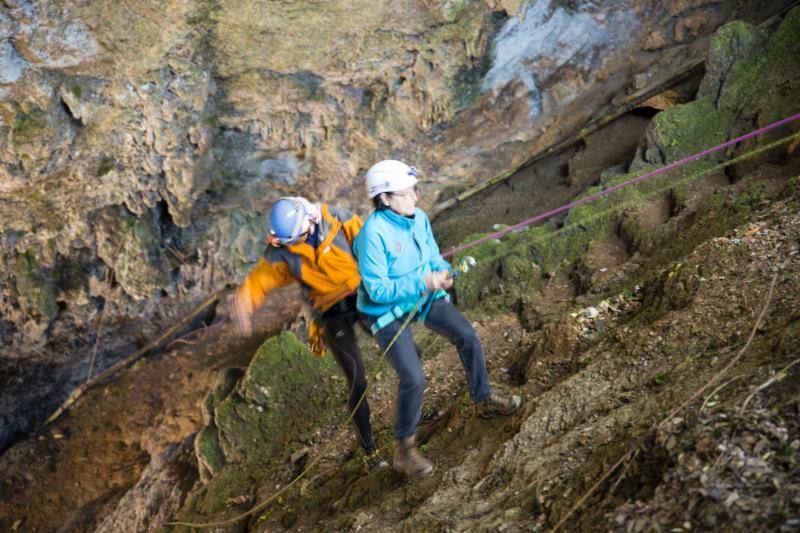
[[394, 255]]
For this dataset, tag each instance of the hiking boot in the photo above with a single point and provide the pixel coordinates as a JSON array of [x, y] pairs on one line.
[[499, 403], [408, 460], [373, 461]]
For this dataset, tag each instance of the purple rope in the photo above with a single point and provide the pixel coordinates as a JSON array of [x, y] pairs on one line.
[[595, 196]]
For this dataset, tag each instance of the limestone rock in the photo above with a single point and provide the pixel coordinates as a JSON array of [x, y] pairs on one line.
[[12, 65], [159, 493], [36, 291], [130, 246], [53, 36]]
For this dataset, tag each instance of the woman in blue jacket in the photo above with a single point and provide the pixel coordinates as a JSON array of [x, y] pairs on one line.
[[400, 265]]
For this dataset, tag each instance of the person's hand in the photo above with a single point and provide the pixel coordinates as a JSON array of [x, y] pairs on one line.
[[439, 279], [448, 279], [241, 315]]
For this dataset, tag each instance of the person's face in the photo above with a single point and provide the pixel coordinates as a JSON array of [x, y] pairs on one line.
[[306, 232], [402, 202]]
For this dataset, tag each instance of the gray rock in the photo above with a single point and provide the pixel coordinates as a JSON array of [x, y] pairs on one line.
[[36, 291], [534, 47], [12, 66], [159, 493], [131, 247]]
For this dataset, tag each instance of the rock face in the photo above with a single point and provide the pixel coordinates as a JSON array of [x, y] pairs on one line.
[[749, 84], [159, 493], [143, 142]]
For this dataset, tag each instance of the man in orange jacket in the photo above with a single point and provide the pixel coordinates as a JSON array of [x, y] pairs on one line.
[[312, 244]]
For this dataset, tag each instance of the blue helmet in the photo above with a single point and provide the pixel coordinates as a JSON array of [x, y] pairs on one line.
[[286, 219]]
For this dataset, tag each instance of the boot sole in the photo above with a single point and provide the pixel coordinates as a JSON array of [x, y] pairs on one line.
[[424, 473], [492, 414]]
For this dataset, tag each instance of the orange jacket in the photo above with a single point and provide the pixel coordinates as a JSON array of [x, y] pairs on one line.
[[327, 274]]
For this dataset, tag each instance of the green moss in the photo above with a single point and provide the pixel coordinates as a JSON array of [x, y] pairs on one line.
[[284, 396], [208, 450], [35, 289], [763, 86], [216, 498], [281, 397], [686, 129], [659, 378], [226, 381], [733, 42], [28, 127], [783, 45], [750, 197]]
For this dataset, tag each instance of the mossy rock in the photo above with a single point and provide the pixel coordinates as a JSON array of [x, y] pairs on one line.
[[28, 123], [36, 291], [210, 458], [763, 87], [732, 42], [762, 79], [226, 381], [684, 130], [284, 395], [518, 264]]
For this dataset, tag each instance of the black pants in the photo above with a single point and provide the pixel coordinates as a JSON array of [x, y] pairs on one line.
[[340, 338]]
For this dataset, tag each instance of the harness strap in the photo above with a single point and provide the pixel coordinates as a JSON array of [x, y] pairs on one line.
[[386, 319], [397, 312]]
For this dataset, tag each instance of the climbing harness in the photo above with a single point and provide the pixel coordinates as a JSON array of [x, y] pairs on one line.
[[384, 320], [466, 263]]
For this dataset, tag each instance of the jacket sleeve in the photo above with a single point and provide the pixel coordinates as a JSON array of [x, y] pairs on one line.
[[262, 279], [351, 228], [437, 262], [374, 270]]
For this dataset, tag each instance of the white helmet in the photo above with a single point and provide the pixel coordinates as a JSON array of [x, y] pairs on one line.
[[390, 175]]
